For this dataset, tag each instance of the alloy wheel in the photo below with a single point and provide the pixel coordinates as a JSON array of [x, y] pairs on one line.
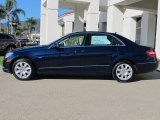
[[124, 72], [23, 70]]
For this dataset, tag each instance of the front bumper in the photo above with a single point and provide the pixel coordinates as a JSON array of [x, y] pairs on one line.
[[6, 70], [6, 66]]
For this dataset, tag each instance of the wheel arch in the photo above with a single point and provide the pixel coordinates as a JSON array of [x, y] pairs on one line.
[[124, 58], [22, 57]]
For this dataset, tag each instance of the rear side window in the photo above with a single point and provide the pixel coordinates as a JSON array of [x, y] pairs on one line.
[[5, 37], [107, 40]]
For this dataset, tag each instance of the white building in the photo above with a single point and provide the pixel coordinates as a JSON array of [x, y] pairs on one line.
[[66, 22], [137, 20]]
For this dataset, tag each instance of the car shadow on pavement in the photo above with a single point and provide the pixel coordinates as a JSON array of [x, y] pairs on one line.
[[148, 76], [72, 77], [142, 77]]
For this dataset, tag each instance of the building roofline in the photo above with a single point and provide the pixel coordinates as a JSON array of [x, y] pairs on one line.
[[67, 13]]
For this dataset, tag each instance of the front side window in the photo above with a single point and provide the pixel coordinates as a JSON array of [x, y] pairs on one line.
[[104, 40], [72, 41]]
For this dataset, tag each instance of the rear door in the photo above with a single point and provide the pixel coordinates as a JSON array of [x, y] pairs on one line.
[[100, 51]]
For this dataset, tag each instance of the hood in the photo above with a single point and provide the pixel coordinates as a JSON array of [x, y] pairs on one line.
[[30, 48]]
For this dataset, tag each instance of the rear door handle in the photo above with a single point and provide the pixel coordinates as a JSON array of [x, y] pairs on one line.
[[79, 51]]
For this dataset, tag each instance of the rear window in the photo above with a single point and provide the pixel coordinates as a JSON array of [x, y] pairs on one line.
[[107, 40]]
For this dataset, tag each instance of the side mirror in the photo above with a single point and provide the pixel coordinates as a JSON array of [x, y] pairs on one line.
[[56, 46]]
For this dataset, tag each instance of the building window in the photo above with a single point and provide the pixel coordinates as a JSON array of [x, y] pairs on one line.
[[138, 30]]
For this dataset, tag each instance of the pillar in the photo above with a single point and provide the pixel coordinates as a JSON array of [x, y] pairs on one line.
[[129, 28], [115, 19], [157, 46], [148, 30], [43, 23], [52, 26], [79, 20], [92, 16]]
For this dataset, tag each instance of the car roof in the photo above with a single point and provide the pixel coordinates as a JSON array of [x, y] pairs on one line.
[[93, 32], [120, 37], [8, 35]]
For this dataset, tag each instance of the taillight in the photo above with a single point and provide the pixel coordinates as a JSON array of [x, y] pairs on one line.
[[151, 53]]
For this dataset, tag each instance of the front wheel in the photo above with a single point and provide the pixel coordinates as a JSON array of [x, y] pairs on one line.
[[23, 69], [123, 71]]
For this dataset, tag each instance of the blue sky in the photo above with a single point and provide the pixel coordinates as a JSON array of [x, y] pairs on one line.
[[32, 8]]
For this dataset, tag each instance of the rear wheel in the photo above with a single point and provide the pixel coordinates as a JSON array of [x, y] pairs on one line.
[[123, 71], [23, 69]]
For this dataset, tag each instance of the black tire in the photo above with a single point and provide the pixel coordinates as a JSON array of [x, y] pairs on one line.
[[10, 48], [123, 76], [29, 65]]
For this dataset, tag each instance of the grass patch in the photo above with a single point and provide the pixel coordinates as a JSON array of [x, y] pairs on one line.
[[1, 59]]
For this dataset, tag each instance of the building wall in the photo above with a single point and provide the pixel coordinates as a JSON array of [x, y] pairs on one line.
[[66, 21], [118, 16]]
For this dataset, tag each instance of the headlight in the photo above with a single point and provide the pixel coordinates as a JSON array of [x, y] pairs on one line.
[[8, 54]]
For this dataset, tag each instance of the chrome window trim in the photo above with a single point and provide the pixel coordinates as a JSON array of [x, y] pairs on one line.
[[63, 38]]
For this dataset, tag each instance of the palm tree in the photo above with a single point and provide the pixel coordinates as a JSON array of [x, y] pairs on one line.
[[2, 16], [31, 22], [11, 11]]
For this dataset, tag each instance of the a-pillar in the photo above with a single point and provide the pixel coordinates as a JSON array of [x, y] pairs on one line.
[[92, 16], [157, 46], [148, 29], [52, 26], [43, 23], [129, 28], [115, 19], [79, 20]]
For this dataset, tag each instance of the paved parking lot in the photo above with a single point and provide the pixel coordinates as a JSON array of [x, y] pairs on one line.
[[79, 98]]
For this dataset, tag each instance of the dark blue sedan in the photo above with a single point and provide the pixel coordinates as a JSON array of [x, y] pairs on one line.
[[83, 53]]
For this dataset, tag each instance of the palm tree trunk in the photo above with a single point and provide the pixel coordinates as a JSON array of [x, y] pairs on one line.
[[8, 25]]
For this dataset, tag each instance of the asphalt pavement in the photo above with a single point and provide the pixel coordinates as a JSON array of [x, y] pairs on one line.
[[79, 98]]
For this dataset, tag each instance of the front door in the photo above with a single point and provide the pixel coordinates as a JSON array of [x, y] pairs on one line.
[[68, 56]]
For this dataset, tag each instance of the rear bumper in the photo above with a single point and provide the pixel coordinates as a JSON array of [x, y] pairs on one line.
[[146, 67]]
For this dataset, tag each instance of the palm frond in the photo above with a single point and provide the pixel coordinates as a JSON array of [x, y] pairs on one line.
[[2, 12], [18, 11], [10, 4]]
